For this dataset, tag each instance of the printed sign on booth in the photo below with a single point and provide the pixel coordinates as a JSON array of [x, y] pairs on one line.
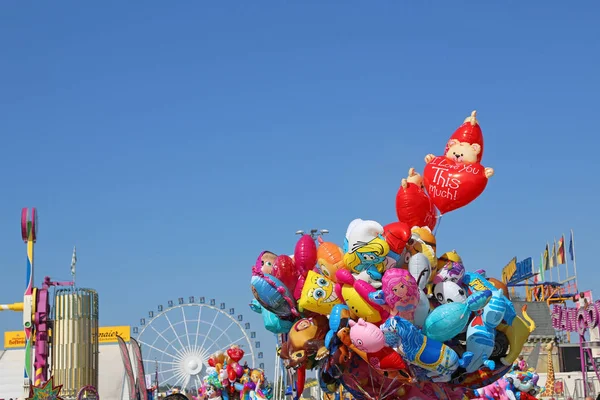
[[14, 340], [106, 334]]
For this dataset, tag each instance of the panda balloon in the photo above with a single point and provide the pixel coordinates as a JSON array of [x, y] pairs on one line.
[[449, 292]]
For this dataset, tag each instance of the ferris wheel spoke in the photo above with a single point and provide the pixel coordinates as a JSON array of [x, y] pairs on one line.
[[198, 327], [181, 377], [159, 361], [221, 335], [155, 348], [166, 340], [170, 370], [209, 330], [169, 379], [186, 381], [187, 335], [174, 331]]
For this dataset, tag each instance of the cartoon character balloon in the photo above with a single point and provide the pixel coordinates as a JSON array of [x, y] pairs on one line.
[[449, 292], [452, 271], [366, 248], [400, 293], [370, 339], [457, 178], [318, 294], [330, 258], [306, 339]]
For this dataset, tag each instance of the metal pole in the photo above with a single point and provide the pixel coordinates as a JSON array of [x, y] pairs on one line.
[[29, 236], [574, 262]]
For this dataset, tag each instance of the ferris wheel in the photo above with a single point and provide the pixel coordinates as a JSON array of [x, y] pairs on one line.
[[177, 340]]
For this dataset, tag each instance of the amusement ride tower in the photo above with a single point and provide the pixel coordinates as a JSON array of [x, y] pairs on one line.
[[69, 332]]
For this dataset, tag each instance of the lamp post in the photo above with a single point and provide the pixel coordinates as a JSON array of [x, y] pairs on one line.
[[314, 233]]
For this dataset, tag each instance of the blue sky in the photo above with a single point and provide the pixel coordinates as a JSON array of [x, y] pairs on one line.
[[172, 142]]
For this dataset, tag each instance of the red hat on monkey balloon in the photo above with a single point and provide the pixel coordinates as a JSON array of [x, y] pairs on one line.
[[457, 178]]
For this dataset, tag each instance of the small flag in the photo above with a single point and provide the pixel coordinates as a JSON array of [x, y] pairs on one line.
[[553, 256], [542, 267], [560, 254], [571, 251], [546, 258], [73, 261]]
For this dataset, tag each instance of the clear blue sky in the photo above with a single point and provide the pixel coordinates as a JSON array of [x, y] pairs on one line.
[[173, 141]]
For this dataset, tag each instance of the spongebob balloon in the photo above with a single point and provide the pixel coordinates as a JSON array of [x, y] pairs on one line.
[[318, 294]]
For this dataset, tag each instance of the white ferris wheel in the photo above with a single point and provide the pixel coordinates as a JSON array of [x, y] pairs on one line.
[[177, 340]]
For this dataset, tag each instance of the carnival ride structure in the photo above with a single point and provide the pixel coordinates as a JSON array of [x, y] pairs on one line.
[[74, 349], [178, 340]]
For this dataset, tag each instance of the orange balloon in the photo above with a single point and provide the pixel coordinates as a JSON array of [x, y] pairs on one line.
[[330, 258], [500, 285]]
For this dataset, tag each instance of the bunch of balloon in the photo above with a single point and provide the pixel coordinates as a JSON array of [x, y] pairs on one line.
[[226, 379], [385, 316], [521, 382]]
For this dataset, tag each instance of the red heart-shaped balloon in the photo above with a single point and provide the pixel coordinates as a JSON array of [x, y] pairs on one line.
[[414, 207], [453, 185]]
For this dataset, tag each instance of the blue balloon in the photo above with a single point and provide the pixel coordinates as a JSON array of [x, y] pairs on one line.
[[271, 321], [448, 320], [481, 333], [477, 282], [273, 295]]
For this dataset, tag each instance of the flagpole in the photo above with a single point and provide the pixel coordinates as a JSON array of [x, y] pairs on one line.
[[555, 255], [550, 264], [574, 262], [73, 263]]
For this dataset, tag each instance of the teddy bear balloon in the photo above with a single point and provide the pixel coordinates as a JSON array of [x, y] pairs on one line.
[[457, 178]]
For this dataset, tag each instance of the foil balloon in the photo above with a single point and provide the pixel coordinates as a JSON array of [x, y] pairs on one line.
[[264, 263], [449, 292], [423, 309], [306, 340], [285, 270], [444, 259], [318, 294], [355, 294], [517, 334], [420, 268], [330, 258], [400, 293], [397, 234], [413, 206], [366, 248], [448, 320], [457, 178], [370, 339], [451, 271], [305, 254], [437, 358], [481, 333], [272, 294], [270, 320], [500, 285]]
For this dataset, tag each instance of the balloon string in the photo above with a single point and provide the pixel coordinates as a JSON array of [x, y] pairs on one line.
[[439, 218]]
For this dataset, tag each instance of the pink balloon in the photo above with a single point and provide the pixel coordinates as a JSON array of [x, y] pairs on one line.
[[285, 270], [305, 254]]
